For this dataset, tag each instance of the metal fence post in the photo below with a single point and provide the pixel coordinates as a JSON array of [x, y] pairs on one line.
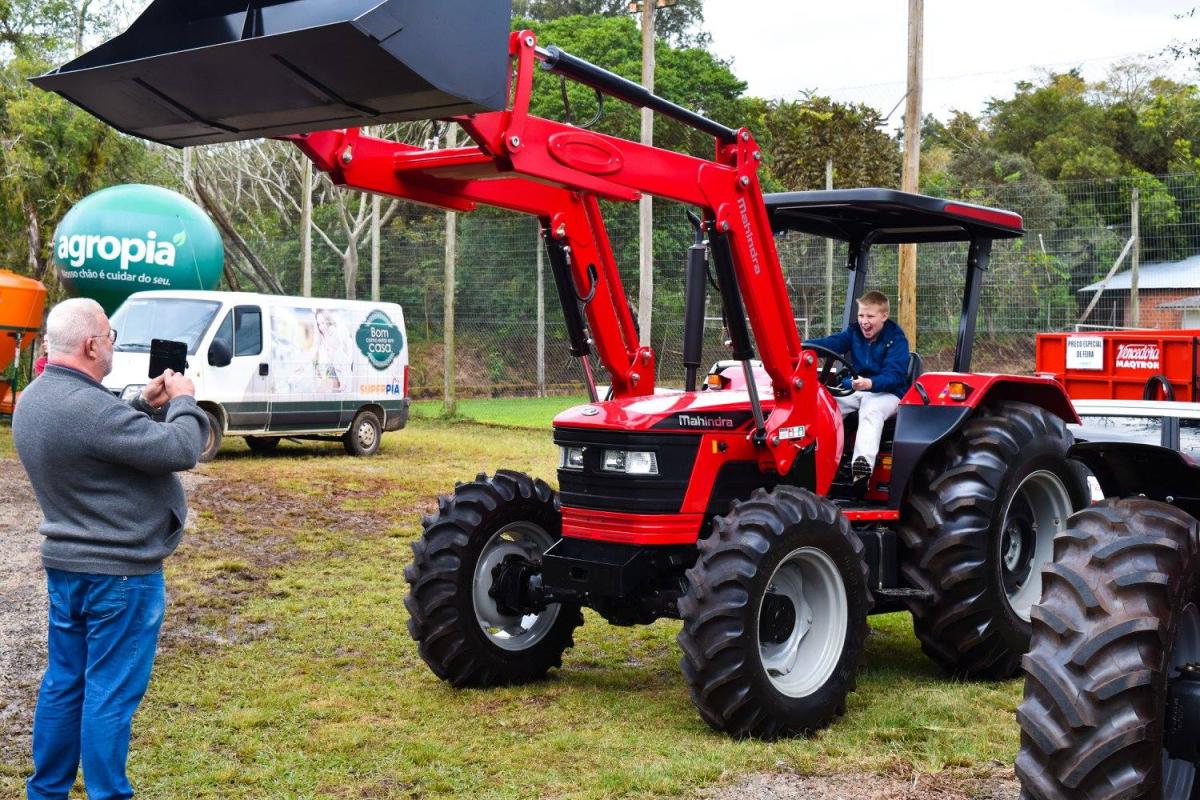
[[541, 317]]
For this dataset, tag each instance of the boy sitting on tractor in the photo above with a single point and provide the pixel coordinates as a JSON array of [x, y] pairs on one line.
[[877, 349]]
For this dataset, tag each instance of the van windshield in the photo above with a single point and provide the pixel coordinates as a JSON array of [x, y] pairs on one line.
[[139, 321]]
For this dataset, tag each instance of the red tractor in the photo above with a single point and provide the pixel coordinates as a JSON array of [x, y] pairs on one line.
[[727, 507]]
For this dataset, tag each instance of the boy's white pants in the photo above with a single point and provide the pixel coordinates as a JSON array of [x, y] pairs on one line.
[[873, 409]]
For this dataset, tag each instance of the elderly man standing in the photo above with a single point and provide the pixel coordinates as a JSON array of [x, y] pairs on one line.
[[104, 474]]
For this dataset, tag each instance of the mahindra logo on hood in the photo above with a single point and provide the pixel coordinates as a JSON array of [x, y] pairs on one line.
[[1138, 356]]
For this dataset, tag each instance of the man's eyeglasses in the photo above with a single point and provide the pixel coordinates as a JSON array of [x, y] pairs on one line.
[[111, 335]]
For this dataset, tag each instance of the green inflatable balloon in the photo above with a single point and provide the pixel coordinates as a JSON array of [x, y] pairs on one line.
[[132, 238]]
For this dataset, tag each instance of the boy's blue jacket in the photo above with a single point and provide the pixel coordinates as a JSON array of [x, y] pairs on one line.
[[884, 361]]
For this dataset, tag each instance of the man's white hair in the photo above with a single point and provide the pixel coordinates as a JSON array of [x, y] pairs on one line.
[[71, 322]]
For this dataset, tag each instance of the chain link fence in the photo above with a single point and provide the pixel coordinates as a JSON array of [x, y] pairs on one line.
[[1076, 233]]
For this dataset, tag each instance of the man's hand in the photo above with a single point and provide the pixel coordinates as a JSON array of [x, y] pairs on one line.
[[154, 393], [861, 384], [178, 385]]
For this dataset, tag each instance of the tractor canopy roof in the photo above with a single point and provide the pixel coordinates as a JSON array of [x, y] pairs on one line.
[[887, 216]]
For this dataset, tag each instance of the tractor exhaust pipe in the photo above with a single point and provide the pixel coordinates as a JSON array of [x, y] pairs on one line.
[[694, 295], [188, 72]]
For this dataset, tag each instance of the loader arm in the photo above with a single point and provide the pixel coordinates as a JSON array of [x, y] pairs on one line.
[[274, 81], [558, 173]]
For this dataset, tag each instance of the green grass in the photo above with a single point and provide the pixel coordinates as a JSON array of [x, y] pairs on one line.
[[511, 412], [287, 670]]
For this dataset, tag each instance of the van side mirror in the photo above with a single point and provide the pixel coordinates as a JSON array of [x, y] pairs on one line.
[[219, 354]]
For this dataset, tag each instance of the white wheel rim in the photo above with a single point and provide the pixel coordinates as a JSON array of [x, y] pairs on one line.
[[366, 435], [803, 663], [1179, 775], [507, 631], [1049, 505]]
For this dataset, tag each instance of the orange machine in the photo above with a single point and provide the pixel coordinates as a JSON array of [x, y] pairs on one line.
[[22, 301], [1123, 365]]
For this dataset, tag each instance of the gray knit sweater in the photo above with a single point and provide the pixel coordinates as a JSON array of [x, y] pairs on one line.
[[104, 472]]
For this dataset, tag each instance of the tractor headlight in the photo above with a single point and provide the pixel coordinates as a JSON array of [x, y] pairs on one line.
[[132, 391], [570, 457], [631, 462]]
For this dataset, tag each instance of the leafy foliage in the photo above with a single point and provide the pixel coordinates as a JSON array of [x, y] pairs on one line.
[[804, 135], [679, 23]]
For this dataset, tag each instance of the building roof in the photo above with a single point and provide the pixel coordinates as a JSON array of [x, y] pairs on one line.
[[1186, 303], [1183, 274]]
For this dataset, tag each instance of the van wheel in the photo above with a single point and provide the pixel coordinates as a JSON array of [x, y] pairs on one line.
[[216, 431], [363, 437], [262, 444]]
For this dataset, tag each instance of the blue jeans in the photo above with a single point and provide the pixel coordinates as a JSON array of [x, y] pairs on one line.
[[103, 636]]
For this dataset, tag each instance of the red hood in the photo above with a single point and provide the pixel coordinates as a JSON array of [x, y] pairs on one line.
[[685, 412]]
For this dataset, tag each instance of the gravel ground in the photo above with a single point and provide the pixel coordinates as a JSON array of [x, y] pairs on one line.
[[23, 608], [23, 657]]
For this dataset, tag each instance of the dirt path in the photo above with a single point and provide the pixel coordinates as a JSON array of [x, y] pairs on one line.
[[991, 783]]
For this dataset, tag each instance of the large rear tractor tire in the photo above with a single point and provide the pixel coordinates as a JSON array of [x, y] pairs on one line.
[[978, 527], [465, 636], [1118, 621], [775, 616]]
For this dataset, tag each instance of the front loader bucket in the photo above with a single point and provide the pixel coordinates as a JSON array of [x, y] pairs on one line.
[[193, 72]]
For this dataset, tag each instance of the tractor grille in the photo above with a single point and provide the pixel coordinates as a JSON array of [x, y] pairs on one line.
[[592, 488]]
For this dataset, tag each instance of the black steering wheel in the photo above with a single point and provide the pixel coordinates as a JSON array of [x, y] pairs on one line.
[[832, 380]]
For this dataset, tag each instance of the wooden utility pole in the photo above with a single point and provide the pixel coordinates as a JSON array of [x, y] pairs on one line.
[[448, 402], [912, 165], [646, 206], [306, 209], [1135, 259], [828, 258]]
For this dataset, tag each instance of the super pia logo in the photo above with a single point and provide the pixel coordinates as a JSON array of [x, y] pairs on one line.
[[78, 249]]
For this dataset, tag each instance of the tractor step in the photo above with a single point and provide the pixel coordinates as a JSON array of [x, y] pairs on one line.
[[903, 594]]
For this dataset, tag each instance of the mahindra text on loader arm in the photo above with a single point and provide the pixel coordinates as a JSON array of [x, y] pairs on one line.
[[727, 507]]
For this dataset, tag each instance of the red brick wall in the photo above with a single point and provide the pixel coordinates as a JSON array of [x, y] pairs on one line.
[[1151, 315]]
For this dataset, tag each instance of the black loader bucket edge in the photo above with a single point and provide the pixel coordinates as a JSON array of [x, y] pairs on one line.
[[190, 72]]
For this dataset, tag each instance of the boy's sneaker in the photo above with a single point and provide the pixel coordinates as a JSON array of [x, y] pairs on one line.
[[861, 469]]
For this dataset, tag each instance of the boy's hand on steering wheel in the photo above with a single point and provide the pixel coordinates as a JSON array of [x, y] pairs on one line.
[[861, 384]]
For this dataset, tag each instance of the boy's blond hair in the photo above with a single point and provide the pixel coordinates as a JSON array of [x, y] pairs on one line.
[[876, 299]]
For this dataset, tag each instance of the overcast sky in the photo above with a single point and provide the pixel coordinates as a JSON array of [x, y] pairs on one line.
[[855, 50]]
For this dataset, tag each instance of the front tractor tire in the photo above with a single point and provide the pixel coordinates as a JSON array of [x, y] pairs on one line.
[[979, 526], [465, 635], [1117, 624], [775, 616]]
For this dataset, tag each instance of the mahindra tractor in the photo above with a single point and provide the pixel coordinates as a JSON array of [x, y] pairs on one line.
[[726, 504]]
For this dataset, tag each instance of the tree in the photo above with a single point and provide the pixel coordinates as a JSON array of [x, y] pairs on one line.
[[803, 135], [51, 156], [679, 23], [253, 189], [689, 76]]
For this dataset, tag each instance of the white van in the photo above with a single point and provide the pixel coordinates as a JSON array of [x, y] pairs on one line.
[[269, 367]]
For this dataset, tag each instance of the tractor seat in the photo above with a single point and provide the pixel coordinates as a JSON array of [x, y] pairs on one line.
[[916, 368]]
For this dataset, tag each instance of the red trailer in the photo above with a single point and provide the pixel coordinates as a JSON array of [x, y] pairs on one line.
[[1123, 365]]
